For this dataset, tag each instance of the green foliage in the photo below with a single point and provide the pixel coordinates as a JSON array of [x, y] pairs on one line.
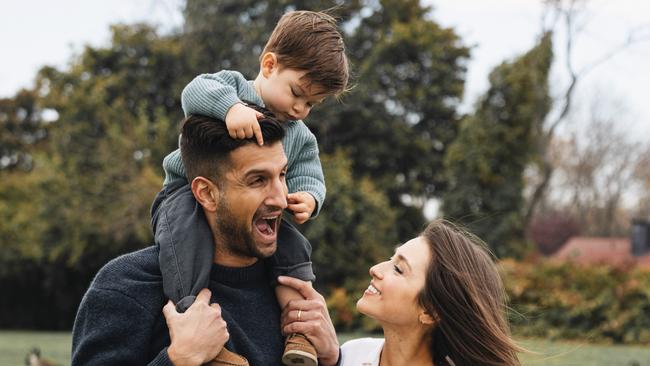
[[355, 229], [231, 34], [116, 111], [22, 128], [79, 189], [86, 197], [399, 118], [564, 301], [397, 121], [485, 164]]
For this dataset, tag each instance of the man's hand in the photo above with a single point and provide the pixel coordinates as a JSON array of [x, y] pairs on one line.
[[242, 123], [197, 335], [315, 322], [302, 204]]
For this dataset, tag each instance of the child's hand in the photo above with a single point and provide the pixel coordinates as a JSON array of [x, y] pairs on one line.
[[242, 123], [302, 204]]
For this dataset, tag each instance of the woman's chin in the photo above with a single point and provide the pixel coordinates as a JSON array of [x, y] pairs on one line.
[[362, 306]]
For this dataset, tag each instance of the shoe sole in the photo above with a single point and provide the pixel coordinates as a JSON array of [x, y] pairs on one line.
[[299, 358]]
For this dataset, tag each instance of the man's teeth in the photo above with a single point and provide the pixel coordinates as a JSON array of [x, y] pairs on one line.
[[268, 226], [373, 290]]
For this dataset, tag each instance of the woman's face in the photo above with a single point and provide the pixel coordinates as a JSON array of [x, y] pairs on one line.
[[391, 297]]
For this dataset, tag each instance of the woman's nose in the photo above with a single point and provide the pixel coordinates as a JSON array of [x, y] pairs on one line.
[[375, 271]]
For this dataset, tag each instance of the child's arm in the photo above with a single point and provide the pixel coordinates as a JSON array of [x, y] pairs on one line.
[[220, 96], [305, 174], [211, 95]]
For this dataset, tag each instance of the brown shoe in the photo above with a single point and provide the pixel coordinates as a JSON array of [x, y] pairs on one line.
[[298, 351], [228, 358]]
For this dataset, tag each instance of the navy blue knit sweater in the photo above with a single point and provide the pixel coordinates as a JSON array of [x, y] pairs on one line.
[[120, 320]]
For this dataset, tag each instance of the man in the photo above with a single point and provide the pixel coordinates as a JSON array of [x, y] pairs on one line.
[[241, 189]]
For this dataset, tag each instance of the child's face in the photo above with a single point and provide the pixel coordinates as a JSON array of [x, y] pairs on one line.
[[288, 95]]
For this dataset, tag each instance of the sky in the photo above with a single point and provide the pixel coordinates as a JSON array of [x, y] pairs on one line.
[[36, 33]]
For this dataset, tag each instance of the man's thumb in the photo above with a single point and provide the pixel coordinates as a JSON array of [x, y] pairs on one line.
[[169, 310]]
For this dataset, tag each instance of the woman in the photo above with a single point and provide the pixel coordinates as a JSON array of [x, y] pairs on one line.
[[439, 300]]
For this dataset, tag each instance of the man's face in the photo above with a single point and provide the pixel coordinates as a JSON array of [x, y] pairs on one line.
[[252, 196]]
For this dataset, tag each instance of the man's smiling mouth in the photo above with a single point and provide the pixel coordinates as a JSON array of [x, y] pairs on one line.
[[268, 224]]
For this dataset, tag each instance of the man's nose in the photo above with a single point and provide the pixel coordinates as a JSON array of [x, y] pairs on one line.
[[278, 194]]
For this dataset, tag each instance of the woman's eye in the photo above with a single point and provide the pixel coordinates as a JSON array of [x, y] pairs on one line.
[[396, 268], [294, 93]]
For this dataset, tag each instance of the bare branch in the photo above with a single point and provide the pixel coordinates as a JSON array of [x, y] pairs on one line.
[[569, 12]]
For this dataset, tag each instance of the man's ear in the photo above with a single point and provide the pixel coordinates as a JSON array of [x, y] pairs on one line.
[[428, 319], [268, 64], [206, 193]]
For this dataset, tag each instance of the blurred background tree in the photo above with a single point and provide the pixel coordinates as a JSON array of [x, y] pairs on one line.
[[81, 152], [486, 163]]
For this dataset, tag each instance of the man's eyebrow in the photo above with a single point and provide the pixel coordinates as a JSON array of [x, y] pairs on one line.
[[262, 171], [255, 172]]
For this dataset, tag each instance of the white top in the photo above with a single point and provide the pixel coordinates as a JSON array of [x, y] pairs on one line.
[[362, 352], [365, 352]]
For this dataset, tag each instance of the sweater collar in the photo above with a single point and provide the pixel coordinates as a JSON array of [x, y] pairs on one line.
[[239, 275]]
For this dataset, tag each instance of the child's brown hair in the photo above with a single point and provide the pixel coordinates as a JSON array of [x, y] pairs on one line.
[[310, 41]]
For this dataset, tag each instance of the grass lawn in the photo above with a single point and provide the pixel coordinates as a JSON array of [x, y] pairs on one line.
[[583, 354], [14, 346], [55, 346]]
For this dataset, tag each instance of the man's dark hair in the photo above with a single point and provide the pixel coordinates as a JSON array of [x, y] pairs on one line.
[[206, 144]]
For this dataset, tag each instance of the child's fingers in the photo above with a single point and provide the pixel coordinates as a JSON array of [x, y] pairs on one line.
[[300, 218], [241, 134], [297, 207], [249, 131], [232, 132], [295, 197], [257, 131]]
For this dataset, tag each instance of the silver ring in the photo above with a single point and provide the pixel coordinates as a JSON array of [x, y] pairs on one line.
[[299, 313]]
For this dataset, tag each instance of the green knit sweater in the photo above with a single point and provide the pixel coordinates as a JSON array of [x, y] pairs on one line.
[[212, 95]]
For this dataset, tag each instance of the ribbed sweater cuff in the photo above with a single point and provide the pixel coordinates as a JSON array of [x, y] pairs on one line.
[[162, 359]]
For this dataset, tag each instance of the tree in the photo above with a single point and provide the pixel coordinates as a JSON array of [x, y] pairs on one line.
[[486, 163], [399, 117], [87, 195], [84, 197], [571, 15], [594, 172], [642, 175], [117, 110], [355, 229], [22, 127], [231, 34]]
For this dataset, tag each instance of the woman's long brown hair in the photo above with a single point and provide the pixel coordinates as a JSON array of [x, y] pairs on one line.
[[464, 290]]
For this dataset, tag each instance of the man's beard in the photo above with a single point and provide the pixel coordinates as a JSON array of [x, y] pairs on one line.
[[235, 235]]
